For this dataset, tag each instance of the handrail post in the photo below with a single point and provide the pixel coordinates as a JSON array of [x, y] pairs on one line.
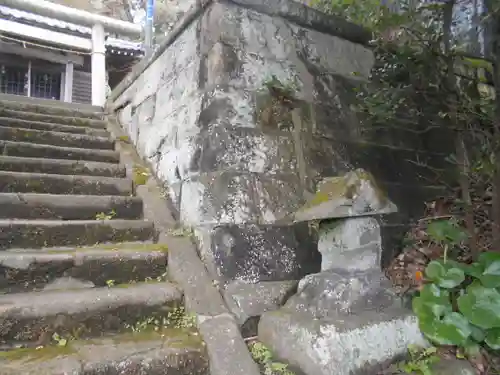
[[98, 66]]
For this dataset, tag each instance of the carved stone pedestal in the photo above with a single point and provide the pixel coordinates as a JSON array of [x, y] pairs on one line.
[[345, 319]]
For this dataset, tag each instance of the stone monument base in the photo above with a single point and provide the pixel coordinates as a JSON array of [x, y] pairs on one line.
[[354, 344], [341, 322]]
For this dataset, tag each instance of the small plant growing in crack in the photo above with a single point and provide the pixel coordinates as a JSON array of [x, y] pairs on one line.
[[124, 139], [140, 175], [162, 277], [182, 232], [283, 91], [110, 283], [263, 356], [420, 361], [103, 216], [177, 318], [60, 341]]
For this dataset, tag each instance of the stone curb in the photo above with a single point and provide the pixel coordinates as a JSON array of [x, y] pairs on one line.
[[227, 351]]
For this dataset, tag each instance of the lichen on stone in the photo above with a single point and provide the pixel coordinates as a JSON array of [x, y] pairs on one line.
[[352, 194]]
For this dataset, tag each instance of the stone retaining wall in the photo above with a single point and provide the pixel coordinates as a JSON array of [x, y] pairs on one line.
[[242, 109]]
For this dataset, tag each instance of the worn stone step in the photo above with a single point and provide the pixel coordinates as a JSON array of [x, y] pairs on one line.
[[50, 114], [33, 150], [170, 352], [50, 233], [61, 166], [99, 266], [55, 138], [31, 316], [68, 207], [44, 183], [39, 125]]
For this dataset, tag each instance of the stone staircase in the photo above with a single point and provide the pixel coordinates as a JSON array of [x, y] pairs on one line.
[[80, 267]]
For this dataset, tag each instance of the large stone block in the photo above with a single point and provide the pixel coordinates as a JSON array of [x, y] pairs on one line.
[[254, 253], [266, 33], [248, 301], [245, 150], [362, 343], [329, 294], [231, 197]]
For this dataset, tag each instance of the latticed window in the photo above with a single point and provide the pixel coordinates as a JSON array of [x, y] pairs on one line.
[[13, 80], [45, 85]]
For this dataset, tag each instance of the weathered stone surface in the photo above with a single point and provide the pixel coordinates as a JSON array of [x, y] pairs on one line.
[[68, 283], [48, 233], [255, 253], [34, 316], [227, 352], [55, 137], [248, 300], [328, 294], [230, 148], [229, 197], [51, 113], [39, 125], [354, 194], [177, 352], [27, 270], [33, 150], [360, 343], [351, 244], [20, 182], [68, 207], [60, 166]]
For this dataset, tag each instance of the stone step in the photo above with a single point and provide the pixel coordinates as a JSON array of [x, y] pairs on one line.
[[55, 138], [50, 233], [33, 150], [102, 265], [29, 111], [61, 166], [175, 352], [33, 317], [43, 183], [68, 207], [39, 125]]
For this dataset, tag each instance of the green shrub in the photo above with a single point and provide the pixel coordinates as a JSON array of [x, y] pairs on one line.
[[460, 303]]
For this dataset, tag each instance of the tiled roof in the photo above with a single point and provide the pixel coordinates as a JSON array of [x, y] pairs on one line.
[[62, 25]]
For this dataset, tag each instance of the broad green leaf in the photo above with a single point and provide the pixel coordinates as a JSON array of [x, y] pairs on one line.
[[446, 231], [444, 274], [432, 301], [477, 333], [490, 263], [481, 306], [493, 338], [453, 329], [475, 269]]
